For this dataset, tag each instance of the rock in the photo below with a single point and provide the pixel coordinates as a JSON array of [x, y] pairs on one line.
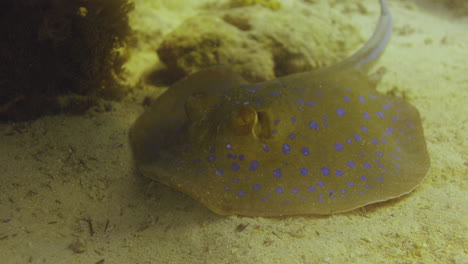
[[202, 41], [259, 43], [78, 246]]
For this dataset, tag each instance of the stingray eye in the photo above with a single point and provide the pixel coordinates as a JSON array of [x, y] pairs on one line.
[[262, 129], [244, 120]]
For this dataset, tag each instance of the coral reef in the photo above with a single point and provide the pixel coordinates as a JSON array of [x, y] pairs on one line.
[[271, 4], [205, 40], [59, 56], [460, 7], [256, 42]]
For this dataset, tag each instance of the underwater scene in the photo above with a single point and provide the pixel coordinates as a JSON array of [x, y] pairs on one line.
[[234, 131]]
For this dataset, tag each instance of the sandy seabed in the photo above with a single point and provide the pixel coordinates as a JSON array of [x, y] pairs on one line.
[[69, 192]]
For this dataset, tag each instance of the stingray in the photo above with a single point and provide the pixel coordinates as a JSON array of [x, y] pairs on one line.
[[319, 142]]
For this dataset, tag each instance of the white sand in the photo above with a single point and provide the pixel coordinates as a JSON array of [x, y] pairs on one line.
[[62, 175]]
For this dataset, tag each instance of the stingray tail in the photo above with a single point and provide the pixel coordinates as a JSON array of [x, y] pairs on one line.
[[368, 55]]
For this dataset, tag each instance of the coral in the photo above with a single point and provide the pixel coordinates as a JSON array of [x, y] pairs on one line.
[[50, 49], [271, 4], [257, 43], [459, 7], [202, 41]]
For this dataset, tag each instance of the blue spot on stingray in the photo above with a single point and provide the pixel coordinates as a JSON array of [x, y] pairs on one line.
[[339, 173], [314, 125], [294, 190], [325, 171], [320, 183], [363, 178], [241, 193], [256, 186], [293, 120], [304, 171], [339, 146], [364, 129], [351, 164], [366, 115], [357, 137], [367, 165], [265, 148], [276, 122], [286, 149], [361, 98], [305, 151], [311, 188], [235, 166], [292, 136], [311, 104], [277, 173], [301, 101], [279, 190], [219, 172], [241, 157], [346, 98], [340, 112], [350, 184], [254, 165], [211, 158]]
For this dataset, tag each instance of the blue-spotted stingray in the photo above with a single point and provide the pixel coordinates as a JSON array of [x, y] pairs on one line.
[[318, 142]]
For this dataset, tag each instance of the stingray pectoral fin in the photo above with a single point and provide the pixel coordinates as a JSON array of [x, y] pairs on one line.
[[214, 77], [161, 123]]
